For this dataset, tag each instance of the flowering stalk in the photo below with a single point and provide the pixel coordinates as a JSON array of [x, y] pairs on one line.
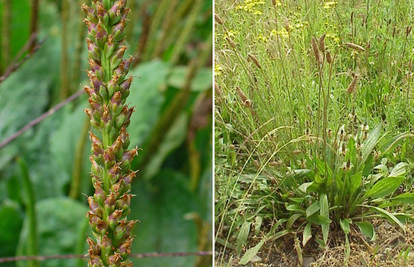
[[109, 115]]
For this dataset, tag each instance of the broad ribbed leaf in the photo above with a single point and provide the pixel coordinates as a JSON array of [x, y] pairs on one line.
[[248, 256], [307, 234], [312, 209], [242, 236], [345, 225], [324, 212], [370, 143], [384, 187], [367, 230]]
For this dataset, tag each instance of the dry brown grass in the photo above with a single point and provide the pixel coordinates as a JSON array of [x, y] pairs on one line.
[[392, 247]]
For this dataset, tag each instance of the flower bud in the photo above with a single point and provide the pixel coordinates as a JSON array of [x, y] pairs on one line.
[[106, 116], [124, 87], [106, 244], [95, 105], [95, 261], [96, 169], [116, 103], [93, 248], [101, 13], [124, 202], [93, 205], [117, 57], [115, 11], [109, 157], [90, 13], [100, 194], [93, 50], [125, 248], [119, 30], [96, 69], [109, 46], [125, 12], [95, 81], [114, 218], [115, 259], [103, 92], [113, 85], [95, 139], [101, 35]]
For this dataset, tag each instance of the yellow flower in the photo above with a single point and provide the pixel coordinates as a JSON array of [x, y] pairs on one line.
[[218, 69], [334, 37], [230, 34], [283, 33], [251, 6], [262, 38], [331, 4]]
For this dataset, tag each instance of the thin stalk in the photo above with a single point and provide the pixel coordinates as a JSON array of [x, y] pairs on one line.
[[182, 10], [146, 23], [185, 33], [78, 162], [155, 25], [30, 201], [6, 32], [80, 246], [64, 66], [174, 109], [76, 72], [166, 26], [34, 14], [132, 19]]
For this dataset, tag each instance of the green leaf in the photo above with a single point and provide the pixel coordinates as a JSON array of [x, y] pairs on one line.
[[147, 97], [174, 138], [399, 170], [10, 226], [367, 230], [318, 219], [370, 143], [292, 220], [324, 212], [312, 209], [307, 234], [249, 255], [201, 82], [161, 205], [63, 144], [60, 222], [386, 214], [345, 225], [384, 187], [303, 187], [242, 236]]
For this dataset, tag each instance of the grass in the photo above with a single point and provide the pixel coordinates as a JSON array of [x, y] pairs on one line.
[[314, 108]]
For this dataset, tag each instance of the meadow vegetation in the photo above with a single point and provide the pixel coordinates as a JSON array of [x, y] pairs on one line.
[[313, 126]]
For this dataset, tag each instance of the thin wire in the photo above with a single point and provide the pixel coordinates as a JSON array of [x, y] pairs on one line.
[[41, 118], [83, 256]]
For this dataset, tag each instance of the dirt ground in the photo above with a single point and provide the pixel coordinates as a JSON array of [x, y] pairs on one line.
[[391, 247]]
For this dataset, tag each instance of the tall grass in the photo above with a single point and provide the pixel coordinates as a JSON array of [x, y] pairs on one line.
[[299, 86]]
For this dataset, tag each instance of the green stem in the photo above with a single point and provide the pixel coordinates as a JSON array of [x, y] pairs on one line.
[[64, 66], [78, 163], [34, 14], [156, 21], [29, 202], [174, 109], [166, 26], [81, 242], [6, 32], [185, 33]]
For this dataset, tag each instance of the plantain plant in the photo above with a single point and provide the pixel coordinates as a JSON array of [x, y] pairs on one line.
[[109, 116]]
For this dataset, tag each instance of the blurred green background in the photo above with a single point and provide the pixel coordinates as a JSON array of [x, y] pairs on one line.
[[172, 123]]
